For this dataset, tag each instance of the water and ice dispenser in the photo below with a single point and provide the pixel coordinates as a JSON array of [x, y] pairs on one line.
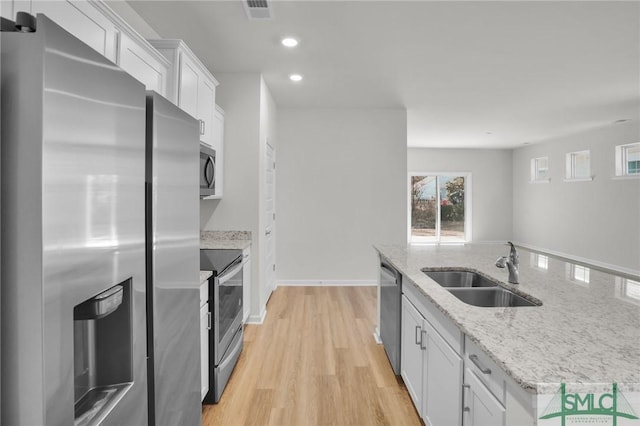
[[102, 339]]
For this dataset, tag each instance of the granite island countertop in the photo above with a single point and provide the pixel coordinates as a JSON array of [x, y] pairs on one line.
[[586, 331], [234, 240]]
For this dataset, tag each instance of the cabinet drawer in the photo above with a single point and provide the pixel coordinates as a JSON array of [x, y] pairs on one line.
[[447, 329], [204, 292], [485, 370]]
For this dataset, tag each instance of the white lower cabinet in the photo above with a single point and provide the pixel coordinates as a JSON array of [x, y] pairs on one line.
[[431, 369], [444, 375], [411, 353], [450, 379], [481, 408]]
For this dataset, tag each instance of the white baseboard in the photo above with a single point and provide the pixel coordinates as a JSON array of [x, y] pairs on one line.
[[376, 336], [583, 260], [257, 319], [327, 283]]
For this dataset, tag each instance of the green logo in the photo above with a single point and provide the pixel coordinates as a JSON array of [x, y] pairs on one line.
[[565, 404]]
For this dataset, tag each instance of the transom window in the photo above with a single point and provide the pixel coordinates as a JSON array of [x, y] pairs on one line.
[[540, 169], [578, 165], [628, 159], [438, 208]]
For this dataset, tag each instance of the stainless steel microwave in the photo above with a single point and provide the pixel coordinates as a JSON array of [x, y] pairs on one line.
[[207, 171]]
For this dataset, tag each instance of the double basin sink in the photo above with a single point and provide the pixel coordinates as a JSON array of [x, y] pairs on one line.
[[477, 289]]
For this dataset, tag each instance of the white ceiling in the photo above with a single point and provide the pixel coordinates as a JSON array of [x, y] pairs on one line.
[[524, 72]]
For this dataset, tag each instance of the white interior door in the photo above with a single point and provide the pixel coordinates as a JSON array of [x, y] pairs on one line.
[[269, 176]]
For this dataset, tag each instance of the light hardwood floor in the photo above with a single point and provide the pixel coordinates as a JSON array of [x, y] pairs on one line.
[[314, 362]]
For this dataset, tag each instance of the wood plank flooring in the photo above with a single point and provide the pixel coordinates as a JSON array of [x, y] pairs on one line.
[[314, 361]]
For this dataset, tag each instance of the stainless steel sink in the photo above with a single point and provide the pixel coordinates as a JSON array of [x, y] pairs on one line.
[[491, 297], [459, 278]]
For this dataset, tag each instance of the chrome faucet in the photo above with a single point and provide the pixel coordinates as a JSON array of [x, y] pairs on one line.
[[511, 262]]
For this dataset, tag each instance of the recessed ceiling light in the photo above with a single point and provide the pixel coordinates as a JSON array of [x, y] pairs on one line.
[[289, 42], [295, 77]]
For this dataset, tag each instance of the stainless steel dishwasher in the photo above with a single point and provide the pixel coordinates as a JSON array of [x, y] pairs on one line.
[[390, 311]]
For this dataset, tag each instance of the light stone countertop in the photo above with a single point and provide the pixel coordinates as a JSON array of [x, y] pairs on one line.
[[234, 240], [204, 275], [584, 333]]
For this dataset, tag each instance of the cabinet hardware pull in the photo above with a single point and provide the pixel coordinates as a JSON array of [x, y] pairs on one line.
[[483, 370], [465, 397], [201, 127], [208, 320], [422, 334], [418, 333]]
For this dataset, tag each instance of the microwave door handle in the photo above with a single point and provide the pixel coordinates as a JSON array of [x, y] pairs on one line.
[[230, 273], [209, 171]]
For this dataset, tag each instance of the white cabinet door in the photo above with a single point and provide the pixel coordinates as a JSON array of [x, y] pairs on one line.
[[246, 285], [204, 350], [141, 64], [84, 21], [412, 353], [188, 86], [481, 408], [442, 390], [206, 109]]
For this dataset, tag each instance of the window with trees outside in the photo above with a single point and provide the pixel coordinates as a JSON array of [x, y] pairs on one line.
[[438, 208]]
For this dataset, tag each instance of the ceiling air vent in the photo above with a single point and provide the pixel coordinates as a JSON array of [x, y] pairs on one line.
[[258, 9]]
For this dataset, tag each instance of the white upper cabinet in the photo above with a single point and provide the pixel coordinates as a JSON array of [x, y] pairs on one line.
[[190, 85], [137, 57], [206, 111], [94, 23], [83, 19]]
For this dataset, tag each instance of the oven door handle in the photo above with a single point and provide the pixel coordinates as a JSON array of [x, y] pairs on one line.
[[230, 273]]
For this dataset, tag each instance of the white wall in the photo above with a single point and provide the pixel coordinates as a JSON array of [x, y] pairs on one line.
[[239, 95], [596, 221], [491, 191], [341, 179]]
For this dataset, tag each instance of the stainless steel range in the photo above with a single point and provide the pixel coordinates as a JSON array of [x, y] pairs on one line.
[[225, 305]]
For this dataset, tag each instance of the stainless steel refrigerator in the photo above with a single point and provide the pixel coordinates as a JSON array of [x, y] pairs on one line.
[[73, 234], [173, 263]]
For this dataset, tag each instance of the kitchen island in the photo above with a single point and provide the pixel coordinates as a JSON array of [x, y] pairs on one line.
[[587, 330]]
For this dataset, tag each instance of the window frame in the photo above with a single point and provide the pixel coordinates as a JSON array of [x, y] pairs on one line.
[[622, 165], [468, 235], [570, 166], [535, 170]]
